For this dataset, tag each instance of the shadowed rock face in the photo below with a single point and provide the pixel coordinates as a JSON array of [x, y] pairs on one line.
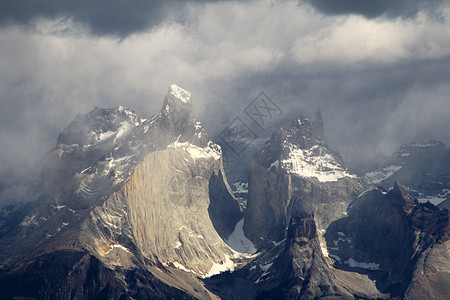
[[222, 208], [134, 194], [66, 274], [391, 235], [302, 228], [300, 271]]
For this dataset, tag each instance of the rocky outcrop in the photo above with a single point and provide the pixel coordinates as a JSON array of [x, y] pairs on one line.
[[300, 272], [391, 236], [296, 171]]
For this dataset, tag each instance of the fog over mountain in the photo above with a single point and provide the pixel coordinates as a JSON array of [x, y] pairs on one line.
[[379, 74]]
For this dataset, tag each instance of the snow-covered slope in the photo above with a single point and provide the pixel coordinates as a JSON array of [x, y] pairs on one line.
[[299, 150], [315, 162]]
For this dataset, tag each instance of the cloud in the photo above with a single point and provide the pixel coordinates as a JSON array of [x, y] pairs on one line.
[[101, 17], [378, 82], [376, 8]]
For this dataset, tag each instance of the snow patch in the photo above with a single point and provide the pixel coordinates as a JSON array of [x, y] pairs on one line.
[[362, 265], [275, 164], [118, 246], [181, 267], [123, 129], [436, 199], [238, 241], [324, 250], [106, 135], [266, 267], [197, 152], [240, 187], [421, 145], [314, 162], [227, 265], [264, 275], [335, 257], [376, 177]]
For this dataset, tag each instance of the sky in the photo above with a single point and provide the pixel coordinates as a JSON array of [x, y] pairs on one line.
[[379, 71]]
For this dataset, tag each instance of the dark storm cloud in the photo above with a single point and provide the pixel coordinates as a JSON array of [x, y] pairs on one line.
[[101, 17], [375, 8]]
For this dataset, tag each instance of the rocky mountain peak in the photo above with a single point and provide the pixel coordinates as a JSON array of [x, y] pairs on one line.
[[302, 133], [176, 111], [400, 194], [98, 125], [179, 93], [299, 150]]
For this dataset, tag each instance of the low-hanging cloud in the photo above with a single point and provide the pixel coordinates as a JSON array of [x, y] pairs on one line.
[[378, 82]]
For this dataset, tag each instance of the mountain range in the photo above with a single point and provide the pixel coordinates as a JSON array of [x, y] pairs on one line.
[[141, 208]]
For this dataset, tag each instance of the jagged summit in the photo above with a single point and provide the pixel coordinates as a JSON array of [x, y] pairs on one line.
[[98, 125], [176, 112], [302, 133], [300, 150], [179, 93]]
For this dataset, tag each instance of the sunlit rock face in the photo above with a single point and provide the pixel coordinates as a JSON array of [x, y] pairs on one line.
[[134, 193], [296, 171]]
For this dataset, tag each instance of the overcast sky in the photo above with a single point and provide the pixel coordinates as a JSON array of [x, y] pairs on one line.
[[378, 70]]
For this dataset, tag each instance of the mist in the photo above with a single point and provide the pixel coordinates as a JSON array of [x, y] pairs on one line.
[[379, 79]]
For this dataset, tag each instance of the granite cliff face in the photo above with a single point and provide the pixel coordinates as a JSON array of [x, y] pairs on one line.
[[127, 193], [296, 171]]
